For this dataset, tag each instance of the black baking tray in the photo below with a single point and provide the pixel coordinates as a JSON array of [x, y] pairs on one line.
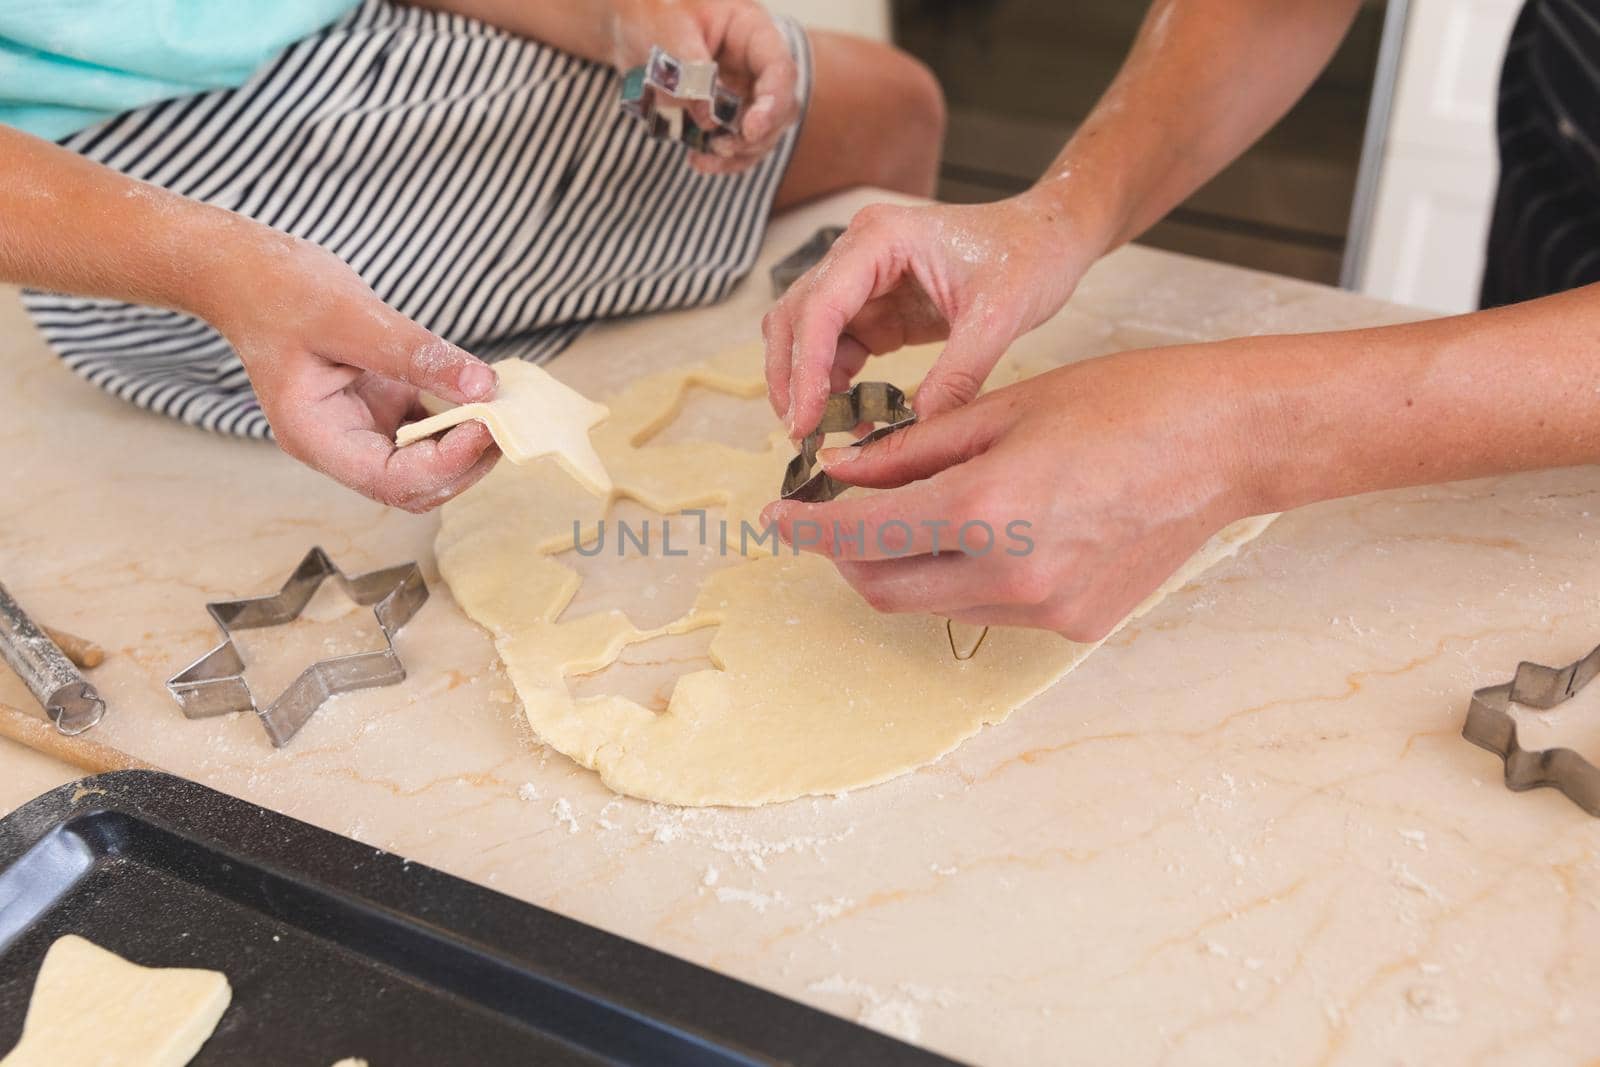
[[337, 949]]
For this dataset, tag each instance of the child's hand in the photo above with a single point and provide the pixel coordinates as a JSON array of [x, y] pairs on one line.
[[337, 371], [752, 54]]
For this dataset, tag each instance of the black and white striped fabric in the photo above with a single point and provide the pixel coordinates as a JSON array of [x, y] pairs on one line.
[[484, 185], [1545, 234]]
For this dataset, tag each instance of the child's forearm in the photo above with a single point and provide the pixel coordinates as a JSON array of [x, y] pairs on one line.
[[74, 226], [592, 29]]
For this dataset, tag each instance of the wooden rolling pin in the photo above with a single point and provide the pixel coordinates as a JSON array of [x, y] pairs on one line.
[[80, 752], [84, 654]]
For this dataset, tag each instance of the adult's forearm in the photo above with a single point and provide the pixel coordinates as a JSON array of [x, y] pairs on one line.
[[1203, 81], [74, 226], [1494, 392]]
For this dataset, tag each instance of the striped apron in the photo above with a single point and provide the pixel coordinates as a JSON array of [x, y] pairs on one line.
[[1545, 233], [483, 184]]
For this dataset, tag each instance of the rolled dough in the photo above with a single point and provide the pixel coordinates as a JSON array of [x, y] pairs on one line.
[[533, 415], [92, 1008], [814, 692]]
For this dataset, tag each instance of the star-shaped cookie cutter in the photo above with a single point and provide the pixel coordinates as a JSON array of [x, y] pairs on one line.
[[1490, 725], [214, 684], [654, 93], [875, 402]]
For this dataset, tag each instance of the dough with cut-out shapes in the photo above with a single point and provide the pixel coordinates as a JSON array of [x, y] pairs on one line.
[[814, 692]]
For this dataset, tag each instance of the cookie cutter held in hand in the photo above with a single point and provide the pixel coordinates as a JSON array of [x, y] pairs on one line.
[[875, 402], [214, 684], [664, 75], [1489, 725]]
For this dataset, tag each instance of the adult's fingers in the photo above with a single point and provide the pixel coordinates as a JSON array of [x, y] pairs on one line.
[[947, 584], [903, 316], [919, 451], [955, 587], [977, 341], [865, 263], [777, 336], [911, 521], [848, 360]]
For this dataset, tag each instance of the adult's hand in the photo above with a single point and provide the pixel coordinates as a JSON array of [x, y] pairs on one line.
[[337, 371], [1060, 502], [979, 275]]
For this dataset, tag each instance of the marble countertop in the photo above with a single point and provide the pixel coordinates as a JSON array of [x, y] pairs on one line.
[[1246, 831]]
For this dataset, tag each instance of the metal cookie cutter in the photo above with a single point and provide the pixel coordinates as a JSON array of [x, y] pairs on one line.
[[1490, 725], [877, 402], [667, 76], [214, 684], [71, 703], [791, 267]]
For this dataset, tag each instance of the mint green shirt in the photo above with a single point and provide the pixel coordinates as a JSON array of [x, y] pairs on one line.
[[67, 64]]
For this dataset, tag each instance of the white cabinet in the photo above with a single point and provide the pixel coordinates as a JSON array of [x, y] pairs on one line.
[[1436, 182]]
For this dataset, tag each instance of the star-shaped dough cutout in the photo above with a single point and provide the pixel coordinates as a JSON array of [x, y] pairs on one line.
[[533, 415], [92, 1008]]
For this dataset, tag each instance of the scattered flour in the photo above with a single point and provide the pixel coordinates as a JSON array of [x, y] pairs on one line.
[[561, 810], [897, 1013], [1403, 878], [831, 909], [706, 826], [528, 791], [1418, 839], [759, 901]]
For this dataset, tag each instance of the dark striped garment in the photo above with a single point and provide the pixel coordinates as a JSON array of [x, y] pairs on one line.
[[483, 184], [1545, 233]]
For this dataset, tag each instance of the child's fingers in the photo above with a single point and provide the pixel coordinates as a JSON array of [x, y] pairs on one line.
[[756, 44], [385, 342], [389, 401], [417, 478]]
